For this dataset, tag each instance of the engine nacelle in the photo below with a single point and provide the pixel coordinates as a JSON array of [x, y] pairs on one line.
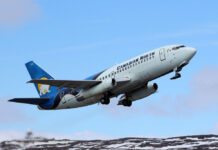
[[143, 92], [97, 90]]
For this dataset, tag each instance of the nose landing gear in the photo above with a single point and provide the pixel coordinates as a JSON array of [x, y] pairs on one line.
[[178, 69], [177, 75]]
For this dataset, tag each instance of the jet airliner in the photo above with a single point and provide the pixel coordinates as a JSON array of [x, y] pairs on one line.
[[130, 80]]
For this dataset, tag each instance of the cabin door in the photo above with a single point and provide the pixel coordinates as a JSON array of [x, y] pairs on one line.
[[162, 54]]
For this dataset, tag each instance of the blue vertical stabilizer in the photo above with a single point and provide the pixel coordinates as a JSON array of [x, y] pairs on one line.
[[44, 91]]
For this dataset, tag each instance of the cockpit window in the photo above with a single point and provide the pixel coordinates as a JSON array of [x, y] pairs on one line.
[[178, 47]]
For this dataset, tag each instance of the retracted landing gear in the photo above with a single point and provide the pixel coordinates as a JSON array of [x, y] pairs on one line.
[[105, 100]]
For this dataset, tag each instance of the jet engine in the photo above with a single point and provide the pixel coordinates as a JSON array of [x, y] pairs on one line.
[[126, 100], [143, 92], [96, 90]]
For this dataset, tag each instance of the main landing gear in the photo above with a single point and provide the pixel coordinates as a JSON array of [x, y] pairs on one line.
[[105, 100], [125, 101]]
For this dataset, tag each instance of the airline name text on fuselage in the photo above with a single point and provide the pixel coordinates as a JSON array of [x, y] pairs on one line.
[[135, 60]]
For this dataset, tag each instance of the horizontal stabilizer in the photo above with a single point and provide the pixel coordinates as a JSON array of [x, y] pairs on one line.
[[33, 101]]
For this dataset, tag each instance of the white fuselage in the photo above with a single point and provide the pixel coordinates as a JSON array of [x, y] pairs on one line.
[[140, 70]]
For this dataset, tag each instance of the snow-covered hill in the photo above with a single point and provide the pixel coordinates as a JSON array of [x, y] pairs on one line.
[[186, 142]]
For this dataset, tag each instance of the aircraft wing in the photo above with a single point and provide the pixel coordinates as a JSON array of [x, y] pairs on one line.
[[75, 84]]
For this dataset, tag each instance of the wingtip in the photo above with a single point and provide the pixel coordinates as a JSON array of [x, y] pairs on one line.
[[11, 100], [31, 81]]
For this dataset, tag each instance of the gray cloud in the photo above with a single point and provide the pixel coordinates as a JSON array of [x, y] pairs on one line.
[[10, 112], [16, 12], [202, 97], [11, 134]]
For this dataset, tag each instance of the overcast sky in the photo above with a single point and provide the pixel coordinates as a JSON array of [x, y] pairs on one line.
[[75, 39]]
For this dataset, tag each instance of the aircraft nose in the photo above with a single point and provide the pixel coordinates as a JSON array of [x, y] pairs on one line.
[[191, 52]]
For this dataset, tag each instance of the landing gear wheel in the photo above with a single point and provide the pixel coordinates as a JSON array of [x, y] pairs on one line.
[[127, 103], [177, 75], [105, 100]]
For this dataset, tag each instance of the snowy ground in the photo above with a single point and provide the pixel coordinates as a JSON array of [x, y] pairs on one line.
[[188, 142]]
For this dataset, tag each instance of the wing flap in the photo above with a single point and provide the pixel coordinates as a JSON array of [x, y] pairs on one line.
[[75, 84], [33, 101]]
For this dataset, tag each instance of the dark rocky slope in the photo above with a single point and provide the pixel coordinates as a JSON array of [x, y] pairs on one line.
[[186, 142]]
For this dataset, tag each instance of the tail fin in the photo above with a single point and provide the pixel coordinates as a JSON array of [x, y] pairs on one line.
[[44, 91], [48, 94]]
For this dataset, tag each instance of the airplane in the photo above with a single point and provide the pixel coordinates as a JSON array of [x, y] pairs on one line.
[[129, 80]]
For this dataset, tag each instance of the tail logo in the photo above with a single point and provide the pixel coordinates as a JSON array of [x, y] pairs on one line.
[[43, 89]]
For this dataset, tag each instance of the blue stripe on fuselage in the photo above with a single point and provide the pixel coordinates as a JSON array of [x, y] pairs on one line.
[[95, 76]]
